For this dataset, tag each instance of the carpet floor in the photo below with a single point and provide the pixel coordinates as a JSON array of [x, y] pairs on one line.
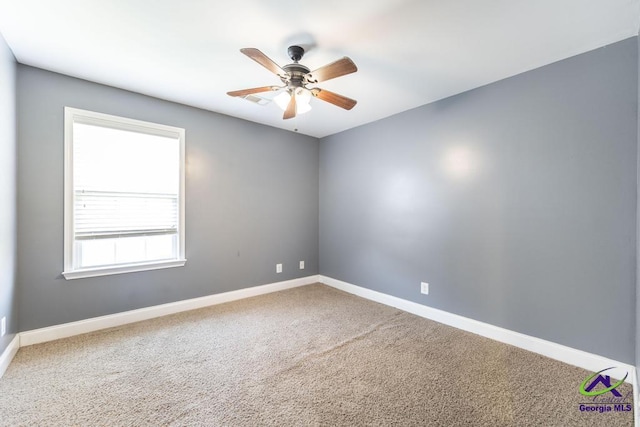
[[309, 356]]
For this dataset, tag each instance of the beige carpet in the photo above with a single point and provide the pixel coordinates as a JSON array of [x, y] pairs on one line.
[[310, 356]]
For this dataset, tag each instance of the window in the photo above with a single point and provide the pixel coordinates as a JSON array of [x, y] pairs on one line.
[[124, 195]]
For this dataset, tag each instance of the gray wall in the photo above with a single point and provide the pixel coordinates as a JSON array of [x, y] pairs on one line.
[[637, 250], [8, 304], [252, 202], [515, 201]]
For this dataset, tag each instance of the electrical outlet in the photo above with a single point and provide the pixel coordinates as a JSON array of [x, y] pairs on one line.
[[3, 326], [301, 265], [278, 268], [424, 288]]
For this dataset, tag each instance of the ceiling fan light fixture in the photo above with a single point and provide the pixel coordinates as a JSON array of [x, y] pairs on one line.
[[303, 100], [282, 99], [302, 108]]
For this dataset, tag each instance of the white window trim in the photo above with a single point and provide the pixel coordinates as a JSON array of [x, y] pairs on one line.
[[76, 115]]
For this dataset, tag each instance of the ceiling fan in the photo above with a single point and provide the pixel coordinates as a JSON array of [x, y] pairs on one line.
[[295, 95]]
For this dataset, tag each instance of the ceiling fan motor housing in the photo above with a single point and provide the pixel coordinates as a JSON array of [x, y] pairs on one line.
[[296, 75]]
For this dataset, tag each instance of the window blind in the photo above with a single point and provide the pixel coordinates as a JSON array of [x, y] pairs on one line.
[[125, 183], [110, 214]]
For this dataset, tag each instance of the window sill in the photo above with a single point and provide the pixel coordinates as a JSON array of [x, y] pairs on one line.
[[129, 268]]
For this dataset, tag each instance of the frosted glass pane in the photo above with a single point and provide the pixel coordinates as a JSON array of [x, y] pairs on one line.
[[130, 250], [125, 250], [94, 253], [161, 247]]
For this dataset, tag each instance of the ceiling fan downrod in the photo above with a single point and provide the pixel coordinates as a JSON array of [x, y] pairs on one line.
[[295, 53]]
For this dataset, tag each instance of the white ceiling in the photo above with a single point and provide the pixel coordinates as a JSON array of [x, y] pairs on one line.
[[408, 52]]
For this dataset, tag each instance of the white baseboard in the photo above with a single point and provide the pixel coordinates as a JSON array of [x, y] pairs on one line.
[[572, 356], [112, 320], [7, 355]]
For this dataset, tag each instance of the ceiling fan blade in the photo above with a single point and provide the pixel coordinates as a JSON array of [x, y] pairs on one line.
[[337, 68], [334, 98], [290, 112], [263, 60], [245, 92]]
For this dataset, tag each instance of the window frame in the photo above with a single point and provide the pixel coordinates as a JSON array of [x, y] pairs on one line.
[[75, 115]]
